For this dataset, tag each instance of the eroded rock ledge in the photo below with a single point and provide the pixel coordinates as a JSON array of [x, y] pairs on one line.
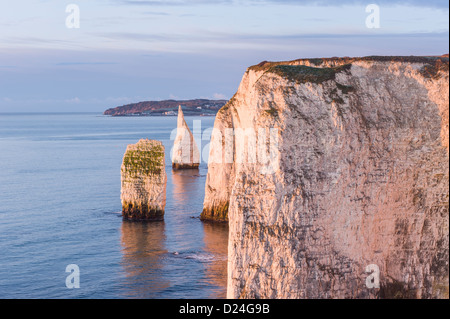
[[361, 177], [144, 181]]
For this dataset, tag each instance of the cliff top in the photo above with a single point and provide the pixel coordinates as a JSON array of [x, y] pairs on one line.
[[434, 62], [265, 65], [324, 69]]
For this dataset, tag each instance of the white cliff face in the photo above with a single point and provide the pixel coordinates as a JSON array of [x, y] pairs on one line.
[[220, 169], [144, 181], [361, 172], [185, 150]]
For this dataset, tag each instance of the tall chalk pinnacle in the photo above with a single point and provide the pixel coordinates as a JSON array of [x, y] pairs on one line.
[[185, 151]]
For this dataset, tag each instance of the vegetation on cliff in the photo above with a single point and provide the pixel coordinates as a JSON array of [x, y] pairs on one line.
[[304, 74], [144, 180]]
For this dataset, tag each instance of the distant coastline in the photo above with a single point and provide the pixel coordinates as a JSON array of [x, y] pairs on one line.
[[197, 107]]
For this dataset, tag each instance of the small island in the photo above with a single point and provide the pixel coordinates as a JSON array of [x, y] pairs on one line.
[[197, 107]]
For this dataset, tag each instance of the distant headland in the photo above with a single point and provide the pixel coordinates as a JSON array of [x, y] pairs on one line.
[[199, 107]]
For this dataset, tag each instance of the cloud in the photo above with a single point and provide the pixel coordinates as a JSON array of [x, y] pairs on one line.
[[325, 3], [247, 38], [75, 100], [173, 2], [155, 13], [84, 63], [139, 36], [219, 96], [34, 40]]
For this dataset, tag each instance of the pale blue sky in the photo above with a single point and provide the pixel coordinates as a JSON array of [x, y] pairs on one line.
[[129, 51]]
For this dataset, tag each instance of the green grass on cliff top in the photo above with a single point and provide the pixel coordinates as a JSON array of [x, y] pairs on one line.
[[145, 157], [306, 74], [433, 67], [265, 65]]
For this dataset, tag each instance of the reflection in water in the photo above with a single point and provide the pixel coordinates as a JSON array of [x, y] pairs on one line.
[[216, 243], [143, 252], [187, 194], [180, 257], [185, 185]]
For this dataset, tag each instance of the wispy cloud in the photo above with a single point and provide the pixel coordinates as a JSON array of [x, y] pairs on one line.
[[35, 40], [74, 100], [219, 96], [173, 2], [156, 13], [417, 3], [85, 63], [249, 37]]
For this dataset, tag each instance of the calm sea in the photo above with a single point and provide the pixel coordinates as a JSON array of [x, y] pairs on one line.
[[60, 205]]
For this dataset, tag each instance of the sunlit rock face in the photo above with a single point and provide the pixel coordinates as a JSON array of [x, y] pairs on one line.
[[144, 181], [185, 151], [220, 169], [359, 179]]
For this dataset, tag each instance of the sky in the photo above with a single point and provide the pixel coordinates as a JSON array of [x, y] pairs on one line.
[[127, 51]]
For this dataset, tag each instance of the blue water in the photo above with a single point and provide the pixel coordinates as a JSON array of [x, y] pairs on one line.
[[60, 205]]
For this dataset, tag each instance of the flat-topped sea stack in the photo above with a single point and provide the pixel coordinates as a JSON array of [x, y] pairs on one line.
[[185, 151], [144, 181], [353, 201]]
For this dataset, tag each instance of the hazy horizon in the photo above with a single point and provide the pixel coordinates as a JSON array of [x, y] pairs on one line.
[[131, 51]]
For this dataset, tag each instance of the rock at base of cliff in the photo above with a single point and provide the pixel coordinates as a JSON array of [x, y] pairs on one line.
[[216, 213], [178, 166], [144, 181], [144, 212]]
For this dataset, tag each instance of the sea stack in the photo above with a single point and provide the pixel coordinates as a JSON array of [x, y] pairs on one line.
[[144, 181], [185, 151]]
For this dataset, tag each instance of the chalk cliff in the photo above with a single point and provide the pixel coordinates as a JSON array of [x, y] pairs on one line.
[[347, 166], [220, 178], [144, 181], [185, 150]]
